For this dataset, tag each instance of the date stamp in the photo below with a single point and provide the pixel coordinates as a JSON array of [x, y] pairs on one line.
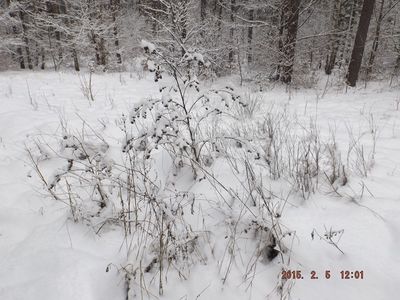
[[327, 274]]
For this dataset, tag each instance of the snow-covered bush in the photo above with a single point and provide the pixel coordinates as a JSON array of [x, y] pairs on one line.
[[183, 114], [83, 178]]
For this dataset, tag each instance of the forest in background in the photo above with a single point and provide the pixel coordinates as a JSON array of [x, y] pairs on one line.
[[199, 149], [275, 40]]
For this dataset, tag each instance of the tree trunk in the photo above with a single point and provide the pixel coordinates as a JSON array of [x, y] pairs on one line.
[[37, 55], [250, 38], [331, 61], [95, 43], [232, 32], [37, 48], [280, 42], [26, 40], [68, 23], [346, 41], [183, 25], [20, 57], [76, 61], [203, 12], [359, 43], [54, 10], [375, 44], [293, 7], [102, 52], [397, 66], [203, 15], [42, 66], [115, 5], [58, 39], [219, 18]]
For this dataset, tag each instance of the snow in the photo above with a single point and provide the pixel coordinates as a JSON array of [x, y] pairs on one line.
[[151, 66], [45, 255], [148, 46], [193, 55]]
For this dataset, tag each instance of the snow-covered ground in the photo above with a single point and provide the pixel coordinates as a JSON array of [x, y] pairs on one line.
[[45, 255]]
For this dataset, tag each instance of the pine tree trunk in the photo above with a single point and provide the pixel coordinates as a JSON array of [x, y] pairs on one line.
[[359, 43]]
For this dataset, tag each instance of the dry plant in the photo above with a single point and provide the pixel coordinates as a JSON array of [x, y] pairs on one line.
[[332, 237], [87, 84]]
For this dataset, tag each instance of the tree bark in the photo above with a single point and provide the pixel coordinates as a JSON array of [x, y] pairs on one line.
[[219, 18], [203, 12], [102, 52], [293, 7], [115, 6], [375, 43], [250, 38], [280, 41], [54, 9], [359, 43], [203, 15], [76, 61], [232, 31], [42, 66], [331, 61], [20, 57], [397, 66], [26, 40]]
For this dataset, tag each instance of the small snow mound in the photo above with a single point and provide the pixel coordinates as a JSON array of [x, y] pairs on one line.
[[151, 66]]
